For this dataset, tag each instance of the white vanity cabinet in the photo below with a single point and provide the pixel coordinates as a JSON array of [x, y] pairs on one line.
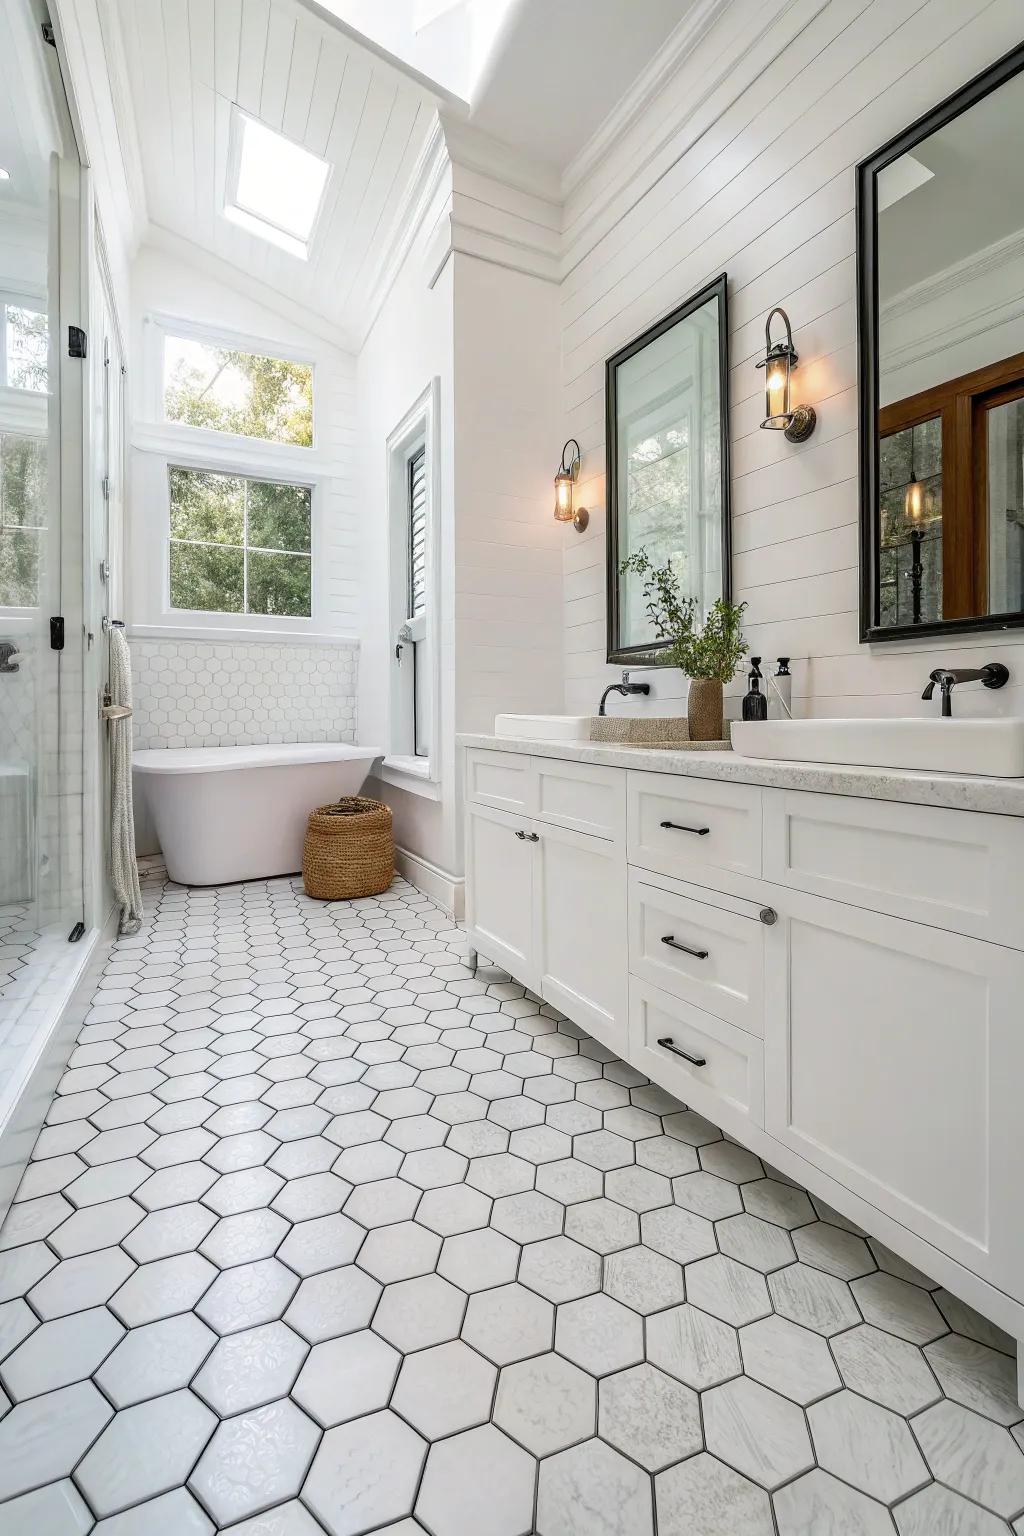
[[546, 891], [894, 1058], [837, 981]]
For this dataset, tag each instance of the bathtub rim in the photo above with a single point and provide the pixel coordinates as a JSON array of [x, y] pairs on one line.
[[188, 760]]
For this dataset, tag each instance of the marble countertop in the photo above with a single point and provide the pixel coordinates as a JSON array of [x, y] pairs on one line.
[[955, 791]]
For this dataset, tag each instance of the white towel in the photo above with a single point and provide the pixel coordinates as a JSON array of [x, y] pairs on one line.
[[124, 869]]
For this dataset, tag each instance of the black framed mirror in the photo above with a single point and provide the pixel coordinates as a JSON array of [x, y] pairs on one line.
[[667, 451], [940, 275]]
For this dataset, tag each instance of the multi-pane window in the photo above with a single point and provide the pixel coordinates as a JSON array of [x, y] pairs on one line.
[[24, 345], [226, 389], [239, 545], [23, 498]]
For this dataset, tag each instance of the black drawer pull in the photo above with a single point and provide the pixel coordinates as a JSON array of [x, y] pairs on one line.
[[673, 943], [668, 1044], [677, 826]]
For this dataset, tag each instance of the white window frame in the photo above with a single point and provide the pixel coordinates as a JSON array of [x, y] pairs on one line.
[[160, 444], [220, 615], [158, 327], [419, 427]]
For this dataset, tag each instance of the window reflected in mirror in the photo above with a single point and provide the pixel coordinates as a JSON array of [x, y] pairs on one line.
[[941, 262]]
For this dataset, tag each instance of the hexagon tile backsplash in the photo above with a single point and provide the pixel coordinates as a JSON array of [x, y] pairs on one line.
[[217, 693]]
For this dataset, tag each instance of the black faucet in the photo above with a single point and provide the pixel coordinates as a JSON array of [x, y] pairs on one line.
[[625, 688], [993, 675]]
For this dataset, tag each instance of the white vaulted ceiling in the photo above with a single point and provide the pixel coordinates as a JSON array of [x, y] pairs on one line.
[[187, 61]]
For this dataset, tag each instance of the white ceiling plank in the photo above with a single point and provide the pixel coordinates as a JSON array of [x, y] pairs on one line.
[[330, 73], [381, 104], [179, 94], [276, 67], [352, 101], [391, 155], [147, 56], [204, 112], [301, 79], [252, 53], [227, 30], [202, 54]]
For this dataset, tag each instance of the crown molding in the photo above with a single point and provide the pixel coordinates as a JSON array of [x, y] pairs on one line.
[[475, 150], [648, 85], [979, 264], [159, 238]]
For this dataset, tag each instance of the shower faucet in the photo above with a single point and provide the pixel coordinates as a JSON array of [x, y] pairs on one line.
[[8, 650]]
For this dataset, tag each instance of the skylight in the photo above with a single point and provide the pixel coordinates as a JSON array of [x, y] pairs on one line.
[[275, 187]]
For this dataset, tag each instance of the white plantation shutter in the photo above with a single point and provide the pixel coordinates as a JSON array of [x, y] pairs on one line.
[[418, 533]]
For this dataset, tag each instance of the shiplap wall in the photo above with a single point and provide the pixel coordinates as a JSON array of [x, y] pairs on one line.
[[745, 163], [508, 563]]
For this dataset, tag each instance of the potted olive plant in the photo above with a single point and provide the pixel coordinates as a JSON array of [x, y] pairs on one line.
[[708, 654]]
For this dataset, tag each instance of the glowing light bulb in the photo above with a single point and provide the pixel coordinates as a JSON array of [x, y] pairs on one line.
[[5, 175], [914, 501]]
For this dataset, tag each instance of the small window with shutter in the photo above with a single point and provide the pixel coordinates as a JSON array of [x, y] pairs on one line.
[[418, 533]]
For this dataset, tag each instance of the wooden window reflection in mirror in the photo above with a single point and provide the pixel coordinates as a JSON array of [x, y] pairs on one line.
[[951, 499]]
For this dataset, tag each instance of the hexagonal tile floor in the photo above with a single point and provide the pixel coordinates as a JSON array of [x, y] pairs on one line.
[[326, 1234]]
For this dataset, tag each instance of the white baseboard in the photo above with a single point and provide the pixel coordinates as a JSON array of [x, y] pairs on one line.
[[22, 1117], [448, 890]]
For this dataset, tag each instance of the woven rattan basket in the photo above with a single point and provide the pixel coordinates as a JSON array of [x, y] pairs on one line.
[[349, 850]]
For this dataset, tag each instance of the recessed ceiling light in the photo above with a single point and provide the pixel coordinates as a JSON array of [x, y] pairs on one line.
[[4, 175], [275, 188]]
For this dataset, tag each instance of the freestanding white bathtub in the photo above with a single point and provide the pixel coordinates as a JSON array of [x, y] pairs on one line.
[[239, 813]]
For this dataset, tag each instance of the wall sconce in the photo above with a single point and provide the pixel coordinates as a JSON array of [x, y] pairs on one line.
[[778, 363], [566, 478]]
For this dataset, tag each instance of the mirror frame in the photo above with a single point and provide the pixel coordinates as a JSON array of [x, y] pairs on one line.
[[717, 289], [871, 632]]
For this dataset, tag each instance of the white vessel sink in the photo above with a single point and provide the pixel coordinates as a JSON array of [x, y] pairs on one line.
[[994, 747], [544, 727]]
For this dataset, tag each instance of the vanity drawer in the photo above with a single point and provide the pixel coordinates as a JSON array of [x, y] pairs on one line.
[[683, 826], [502, 780], [582, 797], [710, 955], [724, 1082], [957, 870]]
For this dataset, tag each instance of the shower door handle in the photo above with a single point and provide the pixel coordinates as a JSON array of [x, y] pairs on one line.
[[8, 650]]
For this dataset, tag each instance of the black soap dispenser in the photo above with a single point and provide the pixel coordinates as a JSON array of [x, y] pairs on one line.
[[755, 704]]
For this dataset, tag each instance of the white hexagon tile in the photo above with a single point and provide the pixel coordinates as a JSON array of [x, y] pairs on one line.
[[328, 1235]]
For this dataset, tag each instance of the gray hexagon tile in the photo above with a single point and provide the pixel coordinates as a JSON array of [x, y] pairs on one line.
[[592, 1490], [703, 1494], [145, 1450], [866, 1445], [650, 1417], [546, 1404], [478, 1482], [326, 1234], [365, 1474]]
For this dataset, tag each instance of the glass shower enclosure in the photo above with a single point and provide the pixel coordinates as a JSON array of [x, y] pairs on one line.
[[41, 667]]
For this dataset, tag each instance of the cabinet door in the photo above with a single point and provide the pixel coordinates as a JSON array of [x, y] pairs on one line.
[[580, 929], [499, 890], [894, 1055]]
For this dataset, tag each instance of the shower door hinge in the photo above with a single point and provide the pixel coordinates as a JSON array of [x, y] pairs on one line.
[[57, 634], [76, 933], [48, 35], [78, 342], [105, 486]]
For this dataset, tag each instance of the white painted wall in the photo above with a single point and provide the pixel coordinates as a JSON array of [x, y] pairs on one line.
[[411, 343], [744, 162]]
